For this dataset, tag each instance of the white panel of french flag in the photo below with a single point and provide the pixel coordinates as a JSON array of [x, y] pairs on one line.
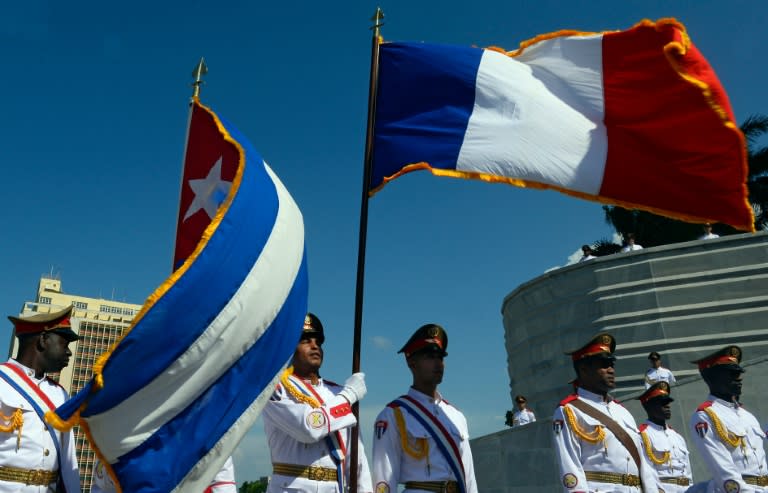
[[635, 118]]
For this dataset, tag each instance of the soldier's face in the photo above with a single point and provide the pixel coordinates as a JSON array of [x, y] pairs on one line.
[[55, 353], [598, 375], [659, 411], [308, 356], [427, 367], [726, 382]]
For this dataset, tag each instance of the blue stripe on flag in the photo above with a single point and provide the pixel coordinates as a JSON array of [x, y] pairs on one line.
[[425, 97], [188, 308], [176, 447]]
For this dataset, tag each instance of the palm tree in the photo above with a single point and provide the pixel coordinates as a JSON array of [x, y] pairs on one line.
[[754, 127], [653, 230]]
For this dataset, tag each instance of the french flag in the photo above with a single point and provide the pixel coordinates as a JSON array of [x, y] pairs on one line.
[[635, 118], [170, 402]]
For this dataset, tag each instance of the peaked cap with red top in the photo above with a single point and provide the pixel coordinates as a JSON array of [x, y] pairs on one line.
[[429, 337], [727, 358], [56, 322], [602, 345], [658, 392]]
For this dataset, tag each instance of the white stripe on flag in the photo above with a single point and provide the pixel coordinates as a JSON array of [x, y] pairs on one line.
[[215, 458], [245, 317], [539, 116]]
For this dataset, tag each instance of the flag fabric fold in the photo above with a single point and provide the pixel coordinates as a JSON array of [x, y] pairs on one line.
[[636, 118], [173, 398]]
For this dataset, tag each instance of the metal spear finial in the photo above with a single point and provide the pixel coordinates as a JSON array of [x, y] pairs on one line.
[[377, 19], [200, 70]]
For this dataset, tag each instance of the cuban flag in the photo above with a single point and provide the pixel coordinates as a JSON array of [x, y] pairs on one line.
[[170, 402], [636, 118]]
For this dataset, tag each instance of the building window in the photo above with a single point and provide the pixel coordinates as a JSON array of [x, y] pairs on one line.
[[81, 305], [128, 311], [109, 309], [45, 300]]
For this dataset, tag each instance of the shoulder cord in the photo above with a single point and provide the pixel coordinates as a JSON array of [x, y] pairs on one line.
[[291, 389], [598, 435], [649, 451], [16, 421], [422, 445], [725, 435]]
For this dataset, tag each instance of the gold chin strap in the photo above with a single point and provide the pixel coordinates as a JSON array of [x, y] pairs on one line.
[[593, 437], [15, 422], [649, 451], [725, 435]]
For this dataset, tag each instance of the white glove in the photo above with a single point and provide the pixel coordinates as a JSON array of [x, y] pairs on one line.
[[354, 388]]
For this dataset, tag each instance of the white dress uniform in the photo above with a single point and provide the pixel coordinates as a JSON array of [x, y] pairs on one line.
[[665, 443], [297, 435], [732, 443], [224, 482], [520, 418], [581, 453], [659, 374], [31, 447], [421, 463]]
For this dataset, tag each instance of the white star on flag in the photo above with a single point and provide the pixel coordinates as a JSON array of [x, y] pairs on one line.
[[209, 192]]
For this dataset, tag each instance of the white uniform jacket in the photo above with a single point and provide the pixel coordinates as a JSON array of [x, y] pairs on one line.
[[224, 482], [659, 374], [34, 448], [423, 461], [665, 443], [297, 435], [577, 455], [520, 418], [731, 442]]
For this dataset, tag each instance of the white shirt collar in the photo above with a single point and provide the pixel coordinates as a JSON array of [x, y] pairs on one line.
[[723, 402], [591, 396], [27, 370], [420, 396]]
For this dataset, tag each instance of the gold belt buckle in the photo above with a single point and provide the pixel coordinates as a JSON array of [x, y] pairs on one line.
[[35, 476], [319, 474], [629, 480], [451, 487]]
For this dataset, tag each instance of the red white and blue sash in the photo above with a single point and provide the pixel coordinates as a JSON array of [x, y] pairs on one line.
[[41, 403], [445, 443], [335, 442]]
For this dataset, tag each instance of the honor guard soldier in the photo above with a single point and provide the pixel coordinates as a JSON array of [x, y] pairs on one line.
[[596, 439], [522, 415], [308, 423], [657, 373], [420, 440], [34, 457], [728, 436], [663, 446]]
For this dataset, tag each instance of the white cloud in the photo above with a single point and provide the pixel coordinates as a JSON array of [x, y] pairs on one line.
[[381, 342]]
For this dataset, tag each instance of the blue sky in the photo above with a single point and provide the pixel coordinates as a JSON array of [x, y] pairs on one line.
[[94, 118]]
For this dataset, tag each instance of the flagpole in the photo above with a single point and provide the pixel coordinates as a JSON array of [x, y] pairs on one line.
[[200, 70], [377, 19]]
